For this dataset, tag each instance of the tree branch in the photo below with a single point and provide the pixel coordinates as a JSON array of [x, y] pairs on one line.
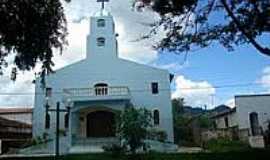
[[263, 50]]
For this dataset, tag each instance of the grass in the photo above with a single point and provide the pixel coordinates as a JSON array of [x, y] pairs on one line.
[[248, 155]]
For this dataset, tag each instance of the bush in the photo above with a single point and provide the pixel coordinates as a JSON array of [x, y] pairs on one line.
[[225, 145], [115, 149], [132, 127], [157, 134]]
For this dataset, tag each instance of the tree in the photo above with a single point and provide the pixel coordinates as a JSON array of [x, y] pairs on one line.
[[193, 24], [31, 29], [178, 106], [132, 127]]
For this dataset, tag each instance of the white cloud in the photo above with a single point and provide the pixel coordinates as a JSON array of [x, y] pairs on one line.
[[265, 78], [195, 93], [128, 25], [230, 103], [23, 84]]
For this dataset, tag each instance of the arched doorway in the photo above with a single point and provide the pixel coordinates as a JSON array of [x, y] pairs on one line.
[[100, 124], [254, 123]]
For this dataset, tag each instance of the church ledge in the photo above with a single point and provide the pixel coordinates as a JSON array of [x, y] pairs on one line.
[[97, 93]]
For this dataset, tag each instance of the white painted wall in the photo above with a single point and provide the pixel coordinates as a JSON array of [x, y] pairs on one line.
[[103, 66], [248, 104]]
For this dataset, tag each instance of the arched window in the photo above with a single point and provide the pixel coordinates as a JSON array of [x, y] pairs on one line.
[[66, 120], [156, 117], [47, 121], [100, 41], [101, 89], [101, 23], [254, 123]]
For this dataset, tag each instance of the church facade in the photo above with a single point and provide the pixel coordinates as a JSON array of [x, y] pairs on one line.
[[96, 88]]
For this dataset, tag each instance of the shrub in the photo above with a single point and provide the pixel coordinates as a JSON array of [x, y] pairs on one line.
[[132, 127], [225, 145], [116, 150], [157, 134]]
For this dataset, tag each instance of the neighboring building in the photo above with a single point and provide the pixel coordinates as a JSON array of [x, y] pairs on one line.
[[250, 117], [253, 113], [225, 119], [23, 115], [13, 134], [98, 87]]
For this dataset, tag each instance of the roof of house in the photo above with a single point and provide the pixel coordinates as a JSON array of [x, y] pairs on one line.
[[15, 110], [253, 95], [12, 123], [224, 113]]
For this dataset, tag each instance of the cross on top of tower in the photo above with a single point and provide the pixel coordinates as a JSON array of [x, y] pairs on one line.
[[102, 3]]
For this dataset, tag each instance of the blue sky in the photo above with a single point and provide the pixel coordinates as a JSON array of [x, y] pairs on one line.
[[219, 67]]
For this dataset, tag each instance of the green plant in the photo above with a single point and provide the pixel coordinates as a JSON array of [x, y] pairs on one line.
[[116, 149], [62, 132], [225, 145], [157, 134], [132, 127]]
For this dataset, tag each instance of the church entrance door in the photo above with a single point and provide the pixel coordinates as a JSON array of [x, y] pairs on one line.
[[100, 124]]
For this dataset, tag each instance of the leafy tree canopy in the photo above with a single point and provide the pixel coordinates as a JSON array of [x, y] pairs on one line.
[[31, 29], [193, 24]]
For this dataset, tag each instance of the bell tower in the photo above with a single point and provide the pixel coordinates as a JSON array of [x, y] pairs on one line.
[[101, 41]]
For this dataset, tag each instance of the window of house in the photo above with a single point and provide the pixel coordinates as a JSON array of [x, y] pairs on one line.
[[47, 121], [226, 122], [156, 117], [100, 41], [66, 120], [48, 92], [154, 86], [101, 23]]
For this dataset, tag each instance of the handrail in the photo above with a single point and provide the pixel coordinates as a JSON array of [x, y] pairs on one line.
[[97, 91]]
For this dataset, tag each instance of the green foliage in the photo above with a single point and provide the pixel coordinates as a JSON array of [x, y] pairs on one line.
[[115, 149], [132, 127], [178, 106], [205, 122], [31, 29], [183, 131], [157, 134], [225, 145], [193, 24]]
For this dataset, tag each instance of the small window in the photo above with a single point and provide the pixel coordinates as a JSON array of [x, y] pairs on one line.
[[48, 92], [154, 87], [101, 23], [47, 121], [100, 41], [66, 120], [226, 122], [156, 117]]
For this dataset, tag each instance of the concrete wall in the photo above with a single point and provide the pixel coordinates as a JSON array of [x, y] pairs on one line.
[[232, 121], [248, 104]]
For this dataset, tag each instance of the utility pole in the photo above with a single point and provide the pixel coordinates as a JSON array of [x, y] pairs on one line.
[[57, 110]]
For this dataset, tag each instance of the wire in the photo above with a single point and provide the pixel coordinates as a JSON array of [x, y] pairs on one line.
[[145, 90]]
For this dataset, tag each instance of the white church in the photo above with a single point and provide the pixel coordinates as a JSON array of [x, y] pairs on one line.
[[99, 86]]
